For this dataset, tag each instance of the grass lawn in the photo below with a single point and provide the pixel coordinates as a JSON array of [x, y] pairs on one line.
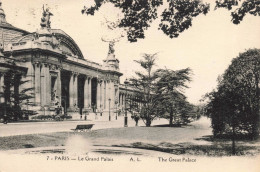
[[178, 141]]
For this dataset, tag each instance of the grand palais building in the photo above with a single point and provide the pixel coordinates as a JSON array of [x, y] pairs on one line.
[[57, 71]]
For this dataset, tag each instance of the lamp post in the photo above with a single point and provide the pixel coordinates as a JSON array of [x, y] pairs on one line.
[[109, 109], [126, 83]]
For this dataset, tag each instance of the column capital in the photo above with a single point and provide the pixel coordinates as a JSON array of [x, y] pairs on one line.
[[53, 67], [45, 64], [100, 81], [116, 82], [74, 73], [60, 67], [90, 78], [37, 64], [85, 77]]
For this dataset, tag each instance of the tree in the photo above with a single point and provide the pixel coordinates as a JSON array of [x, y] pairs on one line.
[[175, 18], [246, 7], [15, 97], [139, 14], [243, 76], [188, 113], [161, 91], [234, 107], [145, 83], [169, 88]]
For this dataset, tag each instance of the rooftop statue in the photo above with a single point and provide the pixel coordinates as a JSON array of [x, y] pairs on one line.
[[111, 47], [114, 34], [45, 20]]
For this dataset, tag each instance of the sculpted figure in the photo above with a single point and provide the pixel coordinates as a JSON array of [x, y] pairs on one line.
[[111, 47], [45, 20]]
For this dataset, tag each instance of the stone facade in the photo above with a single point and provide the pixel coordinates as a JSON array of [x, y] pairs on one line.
[[58, 72]]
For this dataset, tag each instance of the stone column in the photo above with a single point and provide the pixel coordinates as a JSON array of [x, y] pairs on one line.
[[76, 89], [124, 98], [37, 83], [90, 90], [102, 94], [32, 78], [43, 87], [107, 94], [86, 93], [112, 94], [98, 94], [120, 100], [123, 103], [2, 99], [47, 78], [117, 96], [58, 86], [71, 84]]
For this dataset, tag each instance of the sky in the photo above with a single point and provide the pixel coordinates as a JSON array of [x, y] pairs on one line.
[[207, 47]]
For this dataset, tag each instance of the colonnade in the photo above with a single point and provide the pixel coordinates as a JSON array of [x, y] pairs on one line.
[[47, 81], [105, 94], [47, 84], [130, 98]]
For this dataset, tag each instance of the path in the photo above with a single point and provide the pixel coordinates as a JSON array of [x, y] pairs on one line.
[[12, 129]]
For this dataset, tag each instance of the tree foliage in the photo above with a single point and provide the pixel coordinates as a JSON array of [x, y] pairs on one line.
[[145, 82], [161, 93], [169, 90], [189, 113], [246, 7], [176, 17], [234, 107], [15, 99], [139, 14]]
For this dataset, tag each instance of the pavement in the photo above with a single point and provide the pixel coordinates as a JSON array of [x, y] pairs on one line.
[[23, 128], [187, 134]]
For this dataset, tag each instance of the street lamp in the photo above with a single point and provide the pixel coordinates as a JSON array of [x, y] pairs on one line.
[[126, 83], [109, 100]]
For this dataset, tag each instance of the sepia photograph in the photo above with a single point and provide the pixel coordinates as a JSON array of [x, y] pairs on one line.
[[129, 85]]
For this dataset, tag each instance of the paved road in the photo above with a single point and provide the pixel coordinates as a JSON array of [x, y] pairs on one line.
[[197, 129], [12, 129]]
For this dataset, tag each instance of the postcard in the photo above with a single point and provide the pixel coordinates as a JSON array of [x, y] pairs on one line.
[[129, 85]]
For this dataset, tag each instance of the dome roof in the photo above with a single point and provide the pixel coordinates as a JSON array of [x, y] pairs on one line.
[[11, 27], [4, 24]]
